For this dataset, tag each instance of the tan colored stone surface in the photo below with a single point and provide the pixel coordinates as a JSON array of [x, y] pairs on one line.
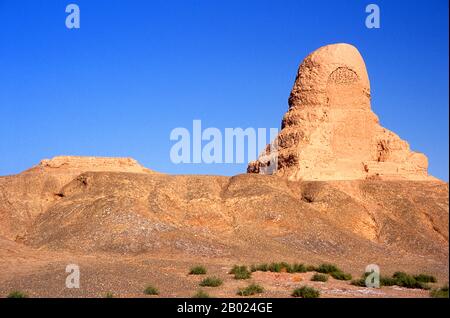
[[330, 132], [26, 195]]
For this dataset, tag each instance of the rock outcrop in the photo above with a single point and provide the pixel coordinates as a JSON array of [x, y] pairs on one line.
[[330, 131]]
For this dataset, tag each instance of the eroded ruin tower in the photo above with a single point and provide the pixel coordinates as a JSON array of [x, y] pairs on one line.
[[330, 131]]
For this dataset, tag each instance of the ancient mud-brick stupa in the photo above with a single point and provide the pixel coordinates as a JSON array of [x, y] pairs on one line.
[[330, 131]]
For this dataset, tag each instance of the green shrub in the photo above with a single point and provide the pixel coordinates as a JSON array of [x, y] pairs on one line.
[[240, 272], [440, 293], [286, 267], [275, 267], [109, 295], [424, 278], [341, 275], [297, 268], [361, 282], [250, 290], [150, 290], [236, 268], [260, 267], [310, 268], [197, 270], [211, 282], [400, 279], [242, 275], [201, 294], [279, 267], [387, 281], [327, 268], [306, 292], [320, 278], [17, 294], [404, 280]]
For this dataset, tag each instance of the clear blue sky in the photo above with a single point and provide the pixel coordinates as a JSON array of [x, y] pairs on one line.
[[137, 69]]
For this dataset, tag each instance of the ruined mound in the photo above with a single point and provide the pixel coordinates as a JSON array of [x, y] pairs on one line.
[[25, 196], [66, 164], [330, 131]]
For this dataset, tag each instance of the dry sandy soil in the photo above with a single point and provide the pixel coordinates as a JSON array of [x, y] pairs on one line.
[[129, 229]]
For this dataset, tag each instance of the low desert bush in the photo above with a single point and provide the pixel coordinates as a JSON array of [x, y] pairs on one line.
[[250, 290], [310, 268], [259, 268], [320, 278], [276, 267], [109, 295], [17, 294], [404, 280], [197, 270], [211, 282], [400, 279], [424, 278], [387, 281], [339, 275], [201, 294], [279, 267], [306, 292], [360, 282], [150, 290], [440, 292], [240, 272], [297, 268], [327, 268]]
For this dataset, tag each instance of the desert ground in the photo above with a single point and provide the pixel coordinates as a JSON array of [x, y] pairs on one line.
[[126, 230]]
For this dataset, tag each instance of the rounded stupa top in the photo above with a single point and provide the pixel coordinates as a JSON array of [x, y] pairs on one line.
[[334, 64]]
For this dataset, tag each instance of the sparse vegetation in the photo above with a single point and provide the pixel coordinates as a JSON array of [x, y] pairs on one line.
[[297, 268], [197, 270], [440, 292], [109, 295], [341, 275], [150, 290], [276, 267], [201, 294], [400, 279], [17, 294], [360, 282], [280, 267], [260, 267], [387, 281], [306, 292], [334, 271], [250, 290], [310, 268], [327, 268], [240, 272], [320, 278], [424, 278], [211, 282], [404, 280]]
